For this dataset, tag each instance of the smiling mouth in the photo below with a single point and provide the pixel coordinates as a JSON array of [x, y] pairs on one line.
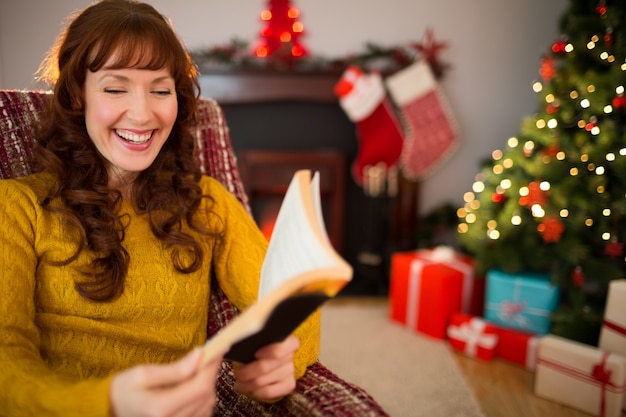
[[133, 137]]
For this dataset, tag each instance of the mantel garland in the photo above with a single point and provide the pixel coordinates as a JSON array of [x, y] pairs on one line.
[[236, 56]]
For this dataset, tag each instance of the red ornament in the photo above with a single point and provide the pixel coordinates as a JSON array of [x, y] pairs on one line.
[[601, 8], [608, 38], [429, 50], [547, 70], [552, 108], [498, 198], [551, 150], [551, 229], [558, 47], [619, 102], [578, 278], [535, 196], [614, 249]]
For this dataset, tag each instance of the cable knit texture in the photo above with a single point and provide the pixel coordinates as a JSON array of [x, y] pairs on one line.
[[319, 392]]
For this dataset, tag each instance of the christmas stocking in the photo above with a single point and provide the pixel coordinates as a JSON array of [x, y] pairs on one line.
[[431, 130], [364, 99]]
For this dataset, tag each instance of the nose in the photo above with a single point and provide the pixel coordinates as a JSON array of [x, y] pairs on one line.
[[139, 110]]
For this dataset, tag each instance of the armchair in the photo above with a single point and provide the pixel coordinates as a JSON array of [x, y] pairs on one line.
[[319, 392]]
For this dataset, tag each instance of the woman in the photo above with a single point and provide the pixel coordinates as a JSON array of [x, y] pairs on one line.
[[106, 251]]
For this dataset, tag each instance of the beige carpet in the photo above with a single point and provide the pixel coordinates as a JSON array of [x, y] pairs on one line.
[[408, 374]]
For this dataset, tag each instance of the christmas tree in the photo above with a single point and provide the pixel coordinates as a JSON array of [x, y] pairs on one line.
[[554, 198], [280, 38]]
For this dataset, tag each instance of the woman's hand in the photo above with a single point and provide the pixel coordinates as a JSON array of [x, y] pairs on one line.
[[272, 375], [181, 389]]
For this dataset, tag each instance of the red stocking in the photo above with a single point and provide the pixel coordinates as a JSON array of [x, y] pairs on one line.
[[431, 131], [364, 99]]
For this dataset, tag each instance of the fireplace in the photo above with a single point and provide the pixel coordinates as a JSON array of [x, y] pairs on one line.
[[296, 117]]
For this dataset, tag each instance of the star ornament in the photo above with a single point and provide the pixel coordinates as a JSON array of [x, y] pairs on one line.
[[429, 49]]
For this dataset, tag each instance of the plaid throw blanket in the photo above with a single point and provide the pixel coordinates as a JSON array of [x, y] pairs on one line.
[[320, 392]]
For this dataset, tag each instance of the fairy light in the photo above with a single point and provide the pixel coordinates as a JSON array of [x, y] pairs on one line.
[[585, 103], [540, 124], [591, 88], [550, 98], [569, 48], [622, 152], [529, 146], [573, 171], [505, 184], [573, 94], [493, 234], [468, 197], [462, 228], [537, 211], [461, 212], [496, 155], [544, 186], [498, 169], [471, 218], [516, 220], [608, 109], [560, 155], [606, 212], [478, 187], [600, 170], [513, 142], [537, 87], [552, 123], [610, 157], [523, 191], [606, 236], [600, 189], [564, 213], [589, 222], [619, 89]]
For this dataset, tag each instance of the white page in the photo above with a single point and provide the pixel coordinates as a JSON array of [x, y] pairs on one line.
[[294, 247]]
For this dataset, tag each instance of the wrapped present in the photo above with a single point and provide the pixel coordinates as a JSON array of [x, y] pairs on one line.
[[522, 301], [580, 376], [473, 336], [428, 286], [613, 333], [517, 346]]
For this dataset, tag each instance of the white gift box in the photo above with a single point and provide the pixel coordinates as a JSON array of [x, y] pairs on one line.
[[613, 333], [580, 376]]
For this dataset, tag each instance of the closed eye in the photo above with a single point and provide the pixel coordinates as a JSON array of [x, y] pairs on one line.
[[114, 91]]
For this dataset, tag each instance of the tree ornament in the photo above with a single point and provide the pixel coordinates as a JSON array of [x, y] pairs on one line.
[[601, 8], [608, 38], [547, 70], [619, 101], [552, 108], [578, 278], [593, 122], [535, 196], [550, 151], [551, 229], [498, 198], [614, 249], [558, 47]]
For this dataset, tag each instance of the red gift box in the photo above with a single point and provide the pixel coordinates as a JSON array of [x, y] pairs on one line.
[[473, 336], [428, 286], [518, 347]]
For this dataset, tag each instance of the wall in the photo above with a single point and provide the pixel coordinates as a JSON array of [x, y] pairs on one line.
[[494, 51]]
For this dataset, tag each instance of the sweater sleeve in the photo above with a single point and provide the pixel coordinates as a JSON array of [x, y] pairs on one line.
[[237, 264], [28, 387]]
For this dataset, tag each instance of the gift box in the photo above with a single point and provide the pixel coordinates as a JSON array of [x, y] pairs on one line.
[[522, 301], [473, 336], [517, 346], [580, 376], [428, 286], [613, 332]]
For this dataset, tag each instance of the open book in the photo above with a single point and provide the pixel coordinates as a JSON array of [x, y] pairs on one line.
[[301, 271]]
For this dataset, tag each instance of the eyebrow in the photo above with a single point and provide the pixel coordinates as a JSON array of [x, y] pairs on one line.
[[120, 77]]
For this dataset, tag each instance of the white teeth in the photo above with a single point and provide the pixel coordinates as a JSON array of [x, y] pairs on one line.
[[133, 137]]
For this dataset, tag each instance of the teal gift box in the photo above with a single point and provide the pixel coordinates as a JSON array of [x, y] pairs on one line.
[[523, 301]]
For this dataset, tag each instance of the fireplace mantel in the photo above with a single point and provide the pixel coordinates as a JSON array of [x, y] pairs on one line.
[[242, 87]]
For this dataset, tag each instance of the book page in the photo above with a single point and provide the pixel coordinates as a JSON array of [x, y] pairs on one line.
[[299, 243]]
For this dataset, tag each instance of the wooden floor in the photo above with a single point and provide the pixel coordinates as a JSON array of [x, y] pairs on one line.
[[506, 390]]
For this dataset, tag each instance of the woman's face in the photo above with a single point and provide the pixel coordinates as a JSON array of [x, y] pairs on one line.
[[129, 114]]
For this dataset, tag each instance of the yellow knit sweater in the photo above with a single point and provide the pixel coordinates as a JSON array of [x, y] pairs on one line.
[[58, 351]]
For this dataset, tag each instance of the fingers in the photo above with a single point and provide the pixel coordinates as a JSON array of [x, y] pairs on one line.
[[271, 375], [181, 388]]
